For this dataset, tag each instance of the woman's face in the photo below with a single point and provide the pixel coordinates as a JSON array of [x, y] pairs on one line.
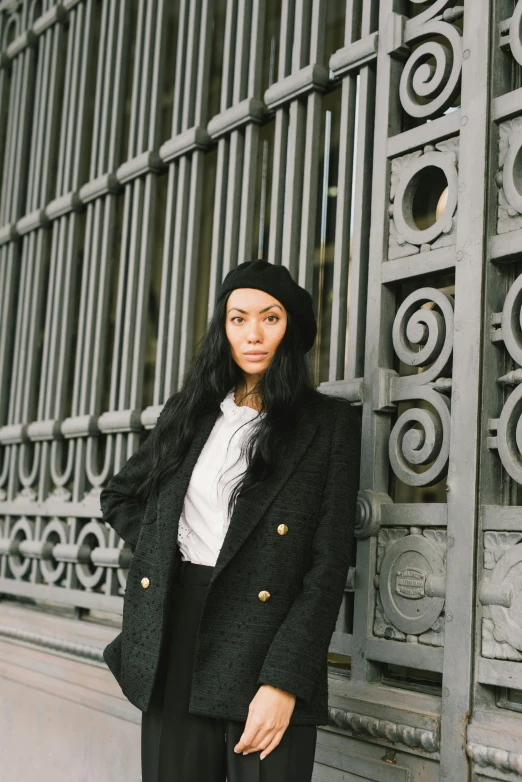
[[255, 325]]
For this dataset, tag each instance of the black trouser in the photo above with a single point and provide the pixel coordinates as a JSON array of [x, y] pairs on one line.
[[177, 746]]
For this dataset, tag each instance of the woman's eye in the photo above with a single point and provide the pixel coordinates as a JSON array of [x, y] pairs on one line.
[[238, 317]]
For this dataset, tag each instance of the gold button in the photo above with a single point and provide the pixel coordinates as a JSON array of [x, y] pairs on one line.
[[282, 529], [264, 595], [145, 582]]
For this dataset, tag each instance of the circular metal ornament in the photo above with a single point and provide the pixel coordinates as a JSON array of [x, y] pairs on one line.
[[512, 172], [511, 319], [405, 567], [509, 435], [405, 194]]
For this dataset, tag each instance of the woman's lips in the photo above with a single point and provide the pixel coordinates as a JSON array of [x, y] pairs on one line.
[[255, 356]]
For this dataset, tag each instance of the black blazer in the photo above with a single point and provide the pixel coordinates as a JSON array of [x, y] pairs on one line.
[[243, 641]]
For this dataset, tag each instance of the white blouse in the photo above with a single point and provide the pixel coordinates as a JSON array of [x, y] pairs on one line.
[[204, 519]]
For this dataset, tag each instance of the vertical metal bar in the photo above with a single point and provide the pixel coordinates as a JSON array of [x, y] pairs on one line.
[[167, 357], [218, 224], [9, 158], [81, 342], [52, 115], [322, 233], [144, 116], [190, 279], [343, 209], [217, 271], [9, 288], [117, 93], [251, 135], [30, 200], [342, 230], [132, 149], [70, 226], [293, 185], [90, 292], [85, 81], [354, 361], [277, 208], [179, 254], [52, 313], [191, 64], [203, 66], [72, 56], [296, 145], [97, 337], [378, 349], [465, 413], [177, 110], [262, 209], [189, 192], [44, 56], [98, 125]]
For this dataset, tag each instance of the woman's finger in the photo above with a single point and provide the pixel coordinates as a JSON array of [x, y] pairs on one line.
[[251, 734], [273, 744], [263, 741]]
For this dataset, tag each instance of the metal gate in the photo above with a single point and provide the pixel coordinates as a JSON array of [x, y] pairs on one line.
[[374, 148]]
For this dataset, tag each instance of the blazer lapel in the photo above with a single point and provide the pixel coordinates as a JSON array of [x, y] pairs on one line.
[[249, 508]]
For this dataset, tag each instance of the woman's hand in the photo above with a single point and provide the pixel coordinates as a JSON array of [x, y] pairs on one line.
[[268, 717]]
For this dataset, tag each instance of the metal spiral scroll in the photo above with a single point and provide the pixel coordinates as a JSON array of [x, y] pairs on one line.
[[421, 436], [509, 425], [432, 329], [427, 91]]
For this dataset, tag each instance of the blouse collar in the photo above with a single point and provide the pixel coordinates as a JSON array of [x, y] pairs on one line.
[[233, 412]]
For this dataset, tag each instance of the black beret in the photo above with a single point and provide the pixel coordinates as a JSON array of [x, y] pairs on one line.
[[277, 281]]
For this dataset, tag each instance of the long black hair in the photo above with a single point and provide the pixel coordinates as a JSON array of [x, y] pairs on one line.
[[283, 388]]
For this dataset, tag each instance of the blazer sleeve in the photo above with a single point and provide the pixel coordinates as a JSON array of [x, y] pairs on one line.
[[120, 506], [300, 647]]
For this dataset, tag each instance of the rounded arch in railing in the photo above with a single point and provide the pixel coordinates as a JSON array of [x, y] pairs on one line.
[[54, 532]]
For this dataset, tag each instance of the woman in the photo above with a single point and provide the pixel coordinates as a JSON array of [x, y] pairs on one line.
[[239, 508]]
